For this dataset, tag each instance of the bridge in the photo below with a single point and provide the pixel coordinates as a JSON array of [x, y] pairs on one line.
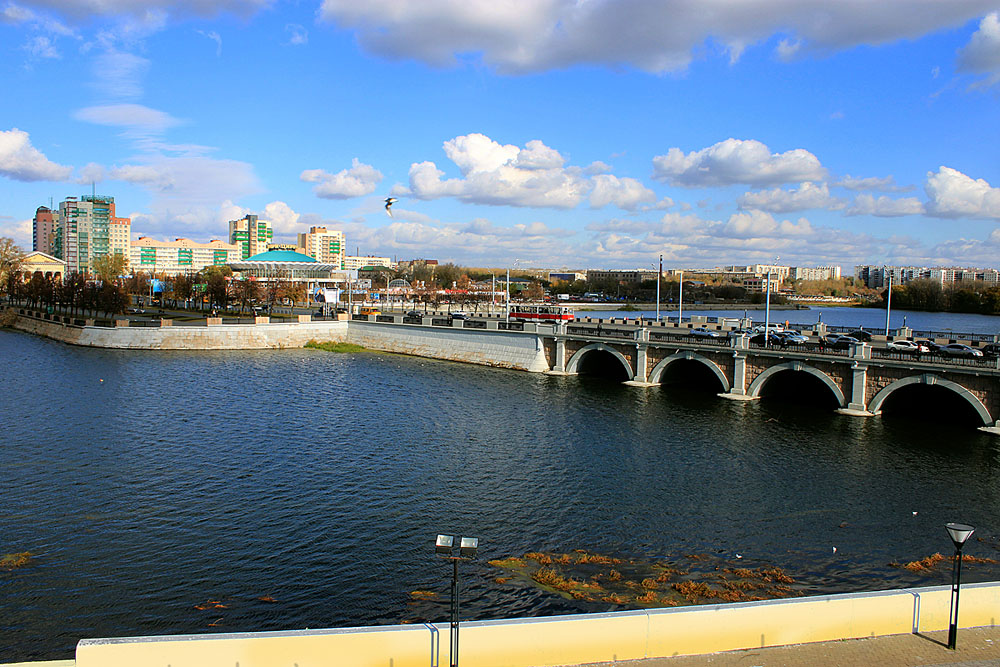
[[861, 380]]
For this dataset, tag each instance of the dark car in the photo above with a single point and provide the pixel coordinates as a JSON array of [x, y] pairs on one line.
[[773, 339], [861, 335], [931, 345], [842, 342], [460, 315], [991, 350], [411, 314]]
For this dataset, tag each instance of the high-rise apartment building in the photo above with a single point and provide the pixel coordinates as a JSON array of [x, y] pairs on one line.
[[84, 231], [323, 245], [251, 234], [43, 230]]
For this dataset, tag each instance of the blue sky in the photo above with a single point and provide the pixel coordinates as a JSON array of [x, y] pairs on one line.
[[591, 134]]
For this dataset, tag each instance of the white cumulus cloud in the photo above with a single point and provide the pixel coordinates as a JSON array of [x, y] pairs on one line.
[[737, 161], [21, 161], [361, 179], [626, 193], [807, 196], [498, 175], [952, 194]]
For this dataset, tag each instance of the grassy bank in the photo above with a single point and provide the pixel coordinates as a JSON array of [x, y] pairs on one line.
[[334, 347]]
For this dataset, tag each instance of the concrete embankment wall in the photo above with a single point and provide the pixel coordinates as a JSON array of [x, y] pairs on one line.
[[505, 349], [216, 337], [567, 640]]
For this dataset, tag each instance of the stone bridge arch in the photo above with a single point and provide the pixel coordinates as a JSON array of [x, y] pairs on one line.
[[656, 374], [574, 361], [755, 387], [875, 406]]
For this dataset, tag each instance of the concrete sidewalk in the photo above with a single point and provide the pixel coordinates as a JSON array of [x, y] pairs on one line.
[[977, 647]]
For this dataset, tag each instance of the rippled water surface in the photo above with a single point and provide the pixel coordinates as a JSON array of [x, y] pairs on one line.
[[149, 484]]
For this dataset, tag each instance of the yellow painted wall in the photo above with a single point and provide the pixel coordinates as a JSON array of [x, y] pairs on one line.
[[565, 640]]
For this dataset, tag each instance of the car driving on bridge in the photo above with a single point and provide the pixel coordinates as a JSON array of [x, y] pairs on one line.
[[703, 332], [959, 350], [907, 347]]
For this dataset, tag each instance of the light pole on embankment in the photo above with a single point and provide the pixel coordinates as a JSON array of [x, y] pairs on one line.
[[959, 533], [444, 547]]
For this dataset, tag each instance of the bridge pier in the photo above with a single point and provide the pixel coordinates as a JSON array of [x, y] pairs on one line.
[[738, 386], [857, 405]]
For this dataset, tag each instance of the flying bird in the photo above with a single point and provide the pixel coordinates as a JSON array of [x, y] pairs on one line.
[[389, 201]]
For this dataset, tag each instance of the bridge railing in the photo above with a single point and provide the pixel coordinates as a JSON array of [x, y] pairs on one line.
[[934, 358], [601, 332], [510, 326]]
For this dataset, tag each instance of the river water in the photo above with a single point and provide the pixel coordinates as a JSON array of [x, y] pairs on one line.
[[167, 492]]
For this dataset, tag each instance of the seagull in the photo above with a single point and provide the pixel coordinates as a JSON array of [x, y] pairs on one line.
[[389, 201]]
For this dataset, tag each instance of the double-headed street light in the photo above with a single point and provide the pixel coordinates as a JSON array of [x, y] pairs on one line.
[[959, 533], [445, 547]]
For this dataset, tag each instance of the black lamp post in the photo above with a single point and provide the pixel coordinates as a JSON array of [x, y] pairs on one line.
[[445, 547], [959, 533]]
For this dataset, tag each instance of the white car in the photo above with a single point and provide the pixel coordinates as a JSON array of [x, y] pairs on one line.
[[907, 347]]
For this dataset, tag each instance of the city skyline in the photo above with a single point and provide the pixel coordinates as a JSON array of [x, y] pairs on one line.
[[581, 134]]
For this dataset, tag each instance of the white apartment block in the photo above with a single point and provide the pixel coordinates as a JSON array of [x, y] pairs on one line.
[[877, 276], [817, 273], [181, 255], [324, 245], [353, 263]]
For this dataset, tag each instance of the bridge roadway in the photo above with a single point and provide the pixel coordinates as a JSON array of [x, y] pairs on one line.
[[859, 379]]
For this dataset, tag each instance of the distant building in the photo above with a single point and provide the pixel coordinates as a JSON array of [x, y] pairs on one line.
[[878, 276], [324, 245], [88, 228], [43, 229], [251, 234], [181, 255], [621, 276], [356, 262], [569, 277], [818, 273]]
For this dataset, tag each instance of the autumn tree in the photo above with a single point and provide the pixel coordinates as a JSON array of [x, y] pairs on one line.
[[11, 259]]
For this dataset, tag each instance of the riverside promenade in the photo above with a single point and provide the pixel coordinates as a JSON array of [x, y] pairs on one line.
[[977, 647]]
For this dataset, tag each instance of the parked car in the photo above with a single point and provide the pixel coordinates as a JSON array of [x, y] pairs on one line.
[[861, 335], [907, 347], [703, 332], [774, 327], [959, 350]]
